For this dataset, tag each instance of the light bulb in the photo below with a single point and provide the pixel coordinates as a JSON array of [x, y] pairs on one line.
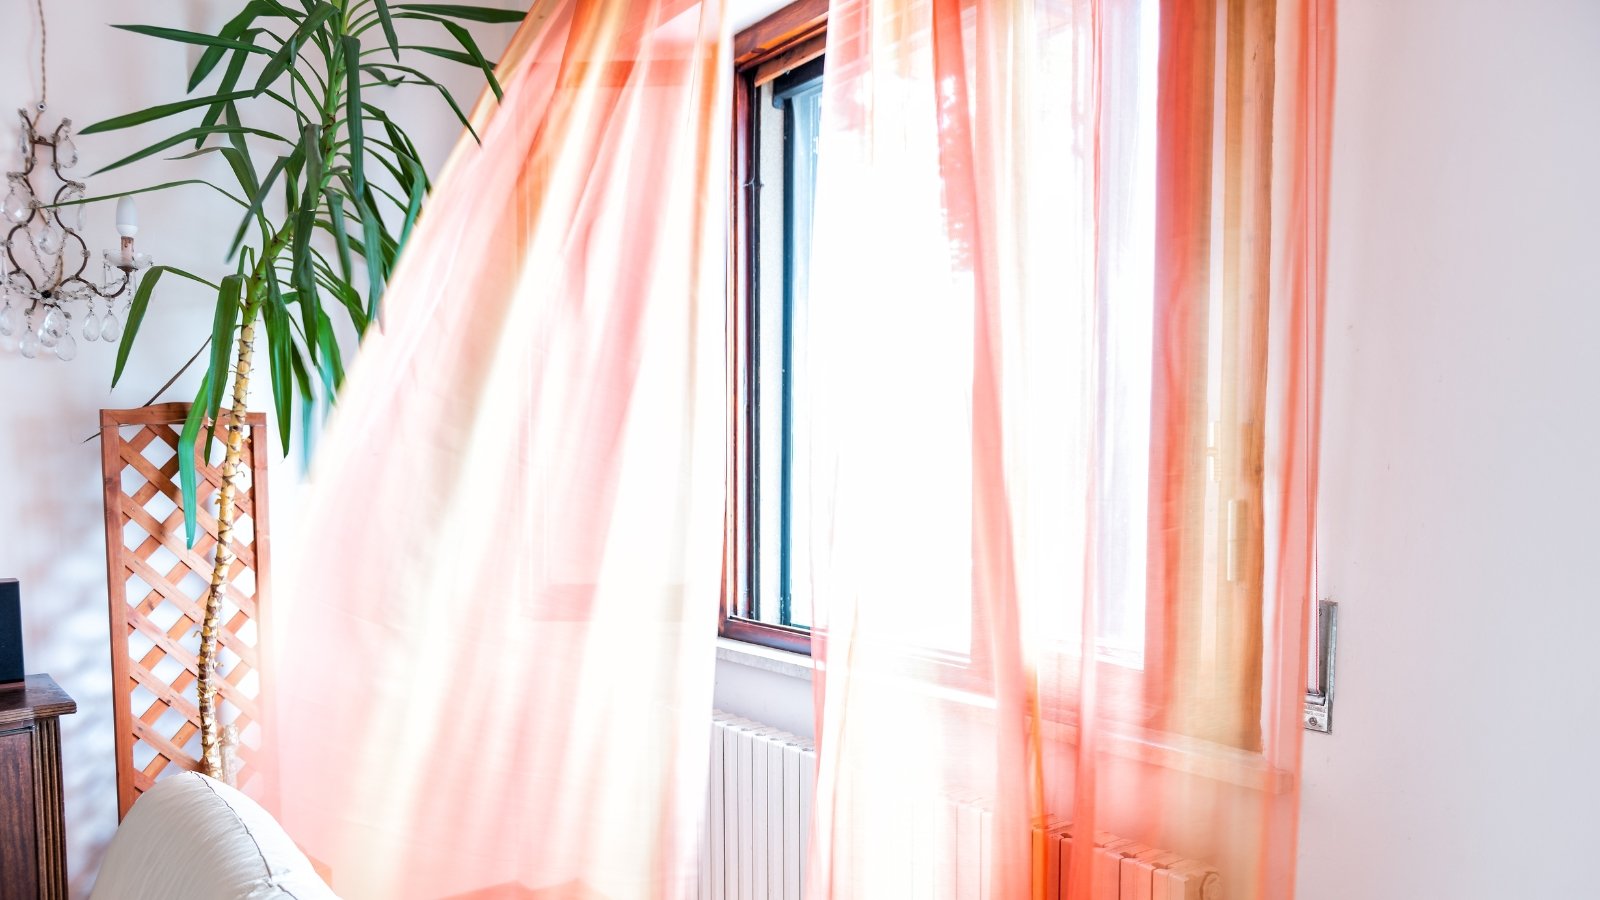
[[127, 217]]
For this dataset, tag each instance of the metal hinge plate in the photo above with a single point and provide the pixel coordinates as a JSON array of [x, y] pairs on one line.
[[1319, 699]]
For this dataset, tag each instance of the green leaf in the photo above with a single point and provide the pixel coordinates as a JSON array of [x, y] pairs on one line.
[[341, 239], [230, 116], [282, 10], [306, 215], [278, 350], [155, 187], [256, 203], [232, 31], [152, 113], [136, 310], [244, 171], [187, 477], [285, 55], [310, 308], [442, 53], [308, 430], [395, 171], [274, 290], [331, 368], [414, 205], [194, 153], [478, 59], [388, 30], [282, 300], [401, 139], [353, 120], [381, 80], [444, 92], [347, 297], [201, 133], [222, 344], [467, 13], [372, 255], [220, 383], [302, 378], [291, 176], [290, 105], [230, 80], [219, 44]]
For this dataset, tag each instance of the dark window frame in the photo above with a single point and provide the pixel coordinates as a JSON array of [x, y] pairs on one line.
[[783, 41]]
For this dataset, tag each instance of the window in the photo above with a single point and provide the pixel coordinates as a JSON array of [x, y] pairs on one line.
[[778, 105], [787, 109], [1178, 519]]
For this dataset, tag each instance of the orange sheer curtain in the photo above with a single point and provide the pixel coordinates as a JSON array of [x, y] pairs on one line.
[[1062, 358], [496, 654]]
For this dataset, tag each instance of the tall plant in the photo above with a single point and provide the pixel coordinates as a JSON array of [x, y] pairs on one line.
[[326, 241]]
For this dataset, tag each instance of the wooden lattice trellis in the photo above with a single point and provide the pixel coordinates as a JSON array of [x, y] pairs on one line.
[[157, 593]]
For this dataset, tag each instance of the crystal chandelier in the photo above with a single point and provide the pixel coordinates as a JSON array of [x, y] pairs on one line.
[[43, 256]]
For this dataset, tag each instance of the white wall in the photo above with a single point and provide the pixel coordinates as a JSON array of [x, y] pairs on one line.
[[51, 529], [1460, 482]]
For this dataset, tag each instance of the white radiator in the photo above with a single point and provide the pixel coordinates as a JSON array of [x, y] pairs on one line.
[[758, 813]]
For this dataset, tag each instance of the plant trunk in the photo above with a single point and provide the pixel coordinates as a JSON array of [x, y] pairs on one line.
[[211, 762]]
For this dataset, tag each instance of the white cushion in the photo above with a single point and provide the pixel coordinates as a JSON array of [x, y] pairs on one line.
[[193, 838]]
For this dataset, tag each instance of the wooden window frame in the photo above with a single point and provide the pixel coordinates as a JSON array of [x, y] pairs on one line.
[[785, 40]]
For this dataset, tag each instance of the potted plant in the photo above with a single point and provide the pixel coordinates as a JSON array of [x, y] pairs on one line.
[[317, 237]]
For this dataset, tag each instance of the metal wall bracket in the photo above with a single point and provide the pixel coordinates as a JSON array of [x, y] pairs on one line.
[[1319, 697]]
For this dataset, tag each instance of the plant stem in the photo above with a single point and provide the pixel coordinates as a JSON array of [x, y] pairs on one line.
[[210, 749], [211, 762]]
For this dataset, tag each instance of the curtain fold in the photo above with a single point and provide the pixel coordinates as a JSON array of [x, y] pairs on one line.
[[1063, 360], [494, 662], [1057, 440]]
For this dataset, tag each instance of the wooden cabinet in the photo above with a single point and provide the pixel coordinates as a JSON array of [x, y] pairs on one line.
[[33, 845]]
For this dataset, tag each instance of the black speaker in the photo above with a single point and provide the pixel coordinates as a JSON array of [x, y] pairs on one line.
[[11, 670]]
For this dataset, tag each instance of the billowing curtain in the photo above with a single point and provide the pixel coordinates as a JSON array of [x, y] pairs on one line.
[[494, 660], [1059, 427]]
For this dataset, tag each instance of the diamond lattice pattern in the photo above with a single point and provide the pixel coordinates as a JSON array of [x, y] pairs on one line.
[[158, 588]]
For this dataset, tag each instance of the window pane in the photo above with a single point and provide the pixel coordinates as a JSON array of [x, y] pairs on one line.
[[767, 347], [802, 113], [787, 111]]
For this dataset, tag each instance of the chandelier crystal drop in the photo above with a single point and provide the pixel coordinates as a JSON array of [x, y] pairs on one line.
[[43, 256]]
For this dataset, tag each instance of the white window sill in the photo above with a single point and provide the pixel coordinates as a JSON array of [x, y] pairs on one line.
[[1212, 761], [782, 662]]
